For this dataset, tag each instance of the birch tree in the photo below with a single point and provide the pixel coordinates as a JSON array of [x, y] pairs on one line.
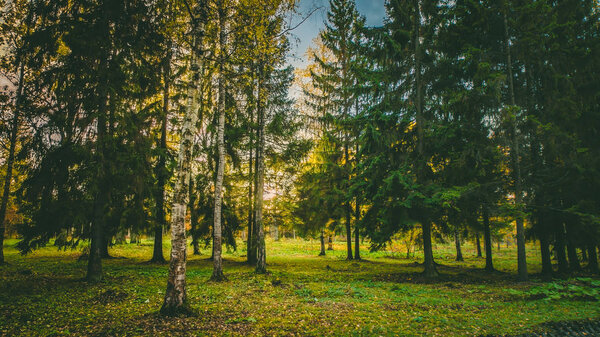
[[175, 300]]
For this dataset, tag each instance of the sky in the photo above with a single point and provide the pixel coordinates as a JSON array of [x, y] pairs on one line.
[[301, 38]]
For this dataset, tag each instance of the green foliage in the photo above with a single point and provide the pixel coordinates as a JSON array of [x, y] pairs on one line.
[[586, 289]]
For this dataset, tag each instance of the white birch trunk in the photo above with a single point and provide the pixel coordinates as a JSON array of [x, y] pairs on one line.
[[175, 296]]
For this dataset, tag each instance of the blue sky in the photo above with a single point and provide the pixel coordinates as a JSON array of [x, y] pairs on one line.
[[301, 38]]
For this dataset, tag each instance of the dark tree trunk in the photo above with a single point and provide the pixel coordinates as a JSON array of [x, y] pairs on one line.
[[8, 180], [101, 199], [94, 270], [545, 252], [478, 244], [559, 247], [521, 253], [322, 253], [193, 218], [584, 256], [161, 220], [487, 240], [119, 238], [196, 246], [157, 251], [592, 259], [574, 264], [14, 125], [106, 239], [330, 243], [134, 238], [429, 263], [348, 234], [357, 232], [459, 256]]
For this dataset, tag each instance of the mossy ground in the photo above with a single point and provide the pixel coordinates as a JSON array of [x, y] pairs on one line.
[[45, 294]]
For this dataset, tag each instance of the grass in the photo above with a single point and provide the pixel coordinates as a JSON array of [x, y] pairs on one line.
[[43, 294]]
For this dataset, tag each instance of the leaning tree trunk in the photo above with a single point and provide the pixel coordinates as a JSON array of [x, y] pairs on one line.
[[11, 159], [217, 274], [459, 256], [175, 301], [487, 240], [14, 125], [261, 259], [521, 253]]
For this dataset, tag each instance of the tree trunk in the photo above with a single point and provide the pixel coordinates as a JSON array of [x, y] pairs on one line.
[[592, 259], [546, 259], [134, 238], [322, 253], [478, 244], [175, 300], [193, 218], [574, 264], [251, 258], [250, 251], [11, 159], [487, 240], [106, 240], [217, 236], [348, 237], [261, 259], [161, 220], [348, 207], [521, 253], [94, 268], [559, 247], [356, 231], [330, 243], [119, 238], [459, 256], [429, 264]]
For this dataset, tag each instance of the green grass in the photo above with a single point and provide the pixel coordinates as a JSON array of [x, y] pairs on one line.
[[44, 294]]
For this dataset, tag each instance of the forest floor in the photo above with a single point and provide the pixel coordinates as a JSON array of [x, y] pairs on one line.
[[44, 294]]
